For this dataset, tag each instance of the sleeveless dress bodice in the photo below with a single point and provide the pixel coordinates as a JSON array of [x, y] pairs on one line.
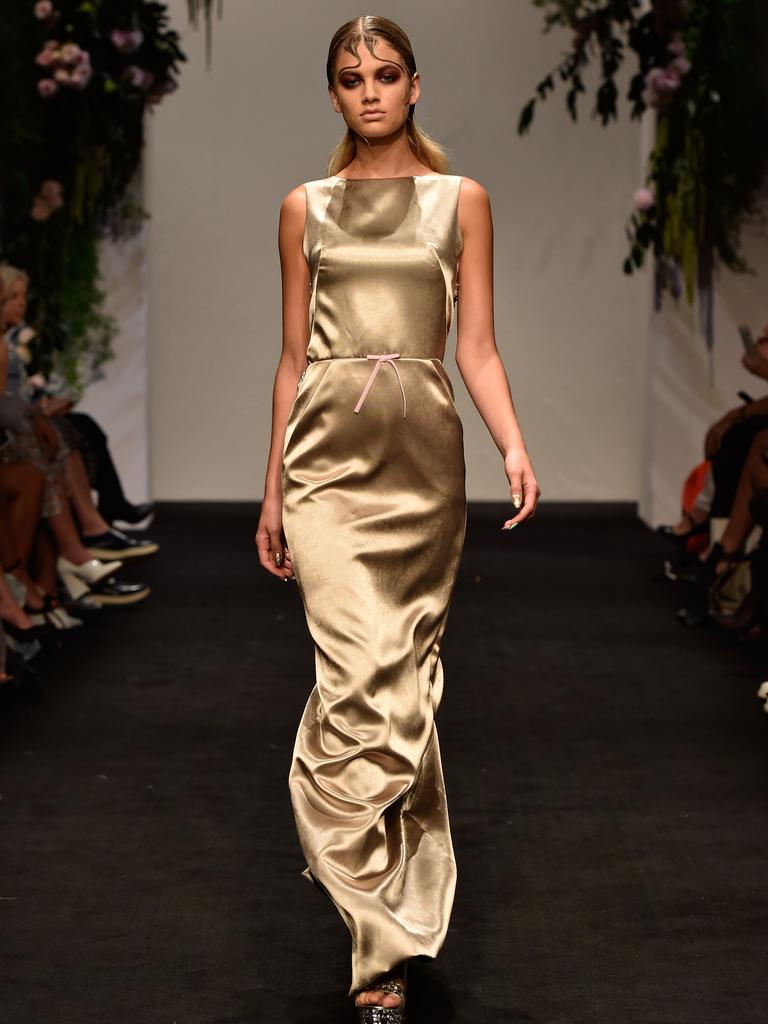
[[374, 515], [383, 256]]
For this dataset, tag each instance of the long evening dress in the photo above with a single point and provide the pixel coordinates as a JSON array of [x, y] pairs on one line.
[[374, 515]]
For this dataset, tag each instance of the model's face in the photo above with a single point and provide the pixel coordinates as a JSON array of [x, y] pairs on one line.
[[373, 96], [15, 303]]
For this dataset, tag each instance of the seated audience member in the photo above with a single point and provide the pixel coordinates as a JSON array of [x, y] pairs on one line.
[[42, 448], [735, 445], [101, 539]]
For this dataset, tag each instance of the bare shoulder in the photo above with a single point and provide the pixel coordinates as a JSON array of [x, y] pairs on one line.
[[474, 208], [293, 213], [473, 191], [294, 204]]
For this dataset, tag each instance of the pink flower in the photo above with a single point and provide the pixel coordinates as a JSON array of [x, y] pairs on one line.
[[644, 199], [45, 58], [80, 77], [138, 77], [43, 9], [62, 76], [680, 65], [127, 40], [70, 54], [47, 87], [664, 80], [661, 84]]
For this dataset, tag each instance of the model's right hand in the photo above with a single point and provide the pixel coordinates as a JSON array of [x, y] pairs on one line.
[[269, 540]]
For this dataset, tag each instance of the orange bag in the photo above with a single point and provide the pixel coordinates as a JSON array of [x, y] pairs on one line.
[[693, 485]]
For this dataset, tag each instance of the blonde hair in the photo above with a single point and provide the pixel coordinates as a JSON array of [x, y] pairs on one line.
[[367, 29], [8, 275]]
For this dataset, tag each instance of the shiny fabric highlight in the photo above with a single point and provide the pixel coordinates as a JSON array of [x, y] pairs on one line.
[[374, 513]]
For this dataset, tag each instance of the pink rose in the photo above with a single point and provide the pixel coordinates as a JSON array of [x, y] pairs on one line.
[[127, 40], [140, 78], [45, 58], [680, 65], [43, 9], [664, 80], [47, 87], [80, 77], [644, 199], [70, 53], [660, 86]]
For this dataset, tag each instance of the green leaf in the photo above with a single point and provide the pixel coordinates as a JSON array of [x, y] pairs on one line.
[[526, 117]]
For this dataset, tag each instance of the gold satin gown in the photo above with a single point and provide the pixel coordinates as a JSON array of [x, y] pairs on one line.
[[374, 515]]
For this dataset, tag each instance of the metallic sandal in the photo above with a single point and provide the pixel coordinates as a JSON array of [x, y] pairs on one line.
[[373, 1014]]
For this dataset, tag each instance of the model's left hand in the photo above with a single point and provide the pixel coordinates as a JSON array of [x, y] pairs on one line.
[[522, 482]]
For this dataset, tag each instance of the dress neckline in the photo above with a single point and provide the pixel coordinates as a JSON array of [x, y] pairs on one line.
[[397, 177]]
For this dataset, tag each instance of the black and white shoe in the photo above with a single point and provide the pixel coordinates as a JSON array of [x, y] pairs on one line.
[[114, 543], [113, 591]]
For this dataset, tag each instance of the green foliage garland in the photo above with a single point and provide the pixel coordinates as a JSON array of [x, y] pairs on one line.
[[77, 78], [700, 66]]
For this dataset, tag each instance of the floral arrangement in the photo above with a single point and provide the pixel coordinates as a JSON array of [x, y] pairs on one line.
[[77, 78], [699, 68]]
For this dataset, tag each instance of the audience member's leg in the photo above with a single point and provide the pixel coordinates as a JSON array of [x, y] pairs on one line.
[[753, 477], [729, 462], [91, 521], [10, 609], [67, 538], [112, 502], [24, 486], [45, 555]]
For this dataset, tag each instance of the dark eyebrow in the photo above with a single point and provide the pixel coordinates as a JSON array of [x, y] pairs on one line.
[[355, 68]]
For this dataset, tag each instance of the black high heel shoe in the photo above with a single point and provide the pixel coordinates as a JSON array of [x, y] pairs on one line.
[[25, 636], [696, 530], [704, 573]]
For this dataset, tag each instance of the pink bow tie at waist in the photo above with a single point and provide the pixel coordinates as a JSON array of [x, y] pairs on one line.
[[386, 358]]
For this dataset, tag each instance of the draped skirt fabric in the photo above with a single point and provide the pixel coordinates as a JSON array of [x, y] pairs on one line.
[[374, 514]]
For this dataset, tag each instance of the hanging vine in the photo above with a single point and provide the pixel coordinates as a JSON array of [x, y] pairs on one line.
[[77, 79], [699, 67], [206, 6]]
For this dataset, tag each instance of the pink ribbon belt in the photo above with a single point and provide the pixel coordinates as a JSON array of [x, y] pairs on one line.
[[386, 358]]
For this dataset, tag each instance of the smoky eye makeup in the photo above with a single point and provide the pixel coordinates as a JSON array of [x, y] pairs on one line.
[[388, 75]]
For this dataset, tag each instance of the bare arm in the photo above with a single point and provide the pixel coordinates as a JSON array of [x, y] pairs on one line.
[[477, 356], [273, 553]]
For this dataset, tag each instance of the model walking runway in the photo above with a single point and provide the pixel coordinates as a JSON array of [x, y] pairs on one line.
[[374, 516]]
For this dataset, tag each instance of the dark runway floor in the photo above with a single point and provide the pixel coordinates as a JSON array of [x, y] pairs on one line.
[[606, 770]]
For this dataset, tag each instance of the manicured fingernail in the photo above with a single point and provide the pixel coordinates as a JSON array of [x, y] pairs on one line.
[[517, 501], [510, 527]]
